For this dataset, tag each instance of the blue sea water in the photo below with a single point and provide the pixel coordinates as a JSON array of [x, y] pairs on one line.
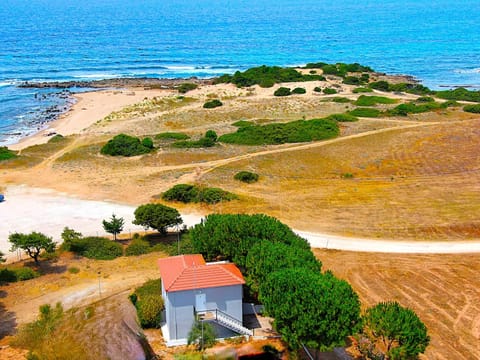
[[437, 41]]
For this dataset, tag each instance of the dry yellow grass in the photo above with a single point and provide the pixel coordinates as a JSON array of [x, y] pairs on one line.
[[441, 289]]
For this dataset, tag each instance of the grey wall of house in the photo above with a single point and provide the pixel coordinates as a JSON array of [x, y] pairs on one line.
[[179, 307]]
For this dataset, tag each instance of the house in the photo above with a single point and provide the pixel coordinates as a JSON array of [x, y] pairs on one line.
[[193, 288]]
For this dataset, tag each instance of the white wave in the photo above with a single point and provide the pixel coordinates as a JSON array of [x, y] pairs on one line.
[[8, 83], [96, 76], [467, 71]]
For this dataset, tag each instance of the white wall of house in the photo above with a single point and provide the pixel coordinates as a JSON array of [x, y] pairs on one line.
[[179, 307]]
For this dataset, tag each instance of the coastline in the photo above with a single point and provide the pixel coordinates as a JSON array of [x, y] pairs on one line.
[[89, 108]]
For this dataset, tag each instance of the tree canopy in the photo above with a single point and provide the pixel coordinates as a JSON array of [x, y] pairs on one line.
[[32, 243], [402, 334], [310, 308], [157, 216], [114, 226]]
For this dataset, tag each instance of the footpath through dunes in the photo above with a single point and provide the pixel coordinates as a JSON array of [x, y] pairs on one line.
[[442, 289]]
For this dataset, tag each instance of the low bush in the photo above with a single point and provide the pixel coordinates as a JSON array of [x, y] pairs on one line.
[[291, 132], [171, 136], [212, 135], [57, 138], [98, 248], [472, 108], [459, 94], [282, 91], [365, 112], [125, 145], [365, 100], [246, 177], [339, 99], [412, 108], [6, 153], [212, 104], [148, 301], [299, 90], [73, 270], [317, 89], [137, 247], [329, 91], [362, 90], [379, 85], [186, 87], [352, 80], [342, 117], [416, 89], [242, 123], [425, 99], [187, 193], [17, 274], [208, 140], [147, 142]]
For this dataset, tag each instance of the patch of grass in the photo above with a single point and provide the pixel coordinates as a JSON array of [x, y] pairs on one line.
[[6, 153], [242, 123], [365, 112], [342, 117], [171, 136], [187, 193], [73, 270], [56, 138], [339, 99], [98, 248], [412, 108], [212, 104], [207, 141], [295, 131], [365, 100], [17, 274], [137, 247], [461, 94], [362, 90], [246, 177], [472, 108], [425, 99], [186, 87], [329, 91]]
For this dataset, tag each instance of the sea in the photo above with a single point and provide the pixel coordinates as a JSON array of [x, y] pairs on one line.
[[437, 41]]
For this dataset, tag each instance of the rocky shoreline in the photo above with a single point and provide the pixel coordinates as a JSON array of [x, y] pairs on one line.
[[146, 83]]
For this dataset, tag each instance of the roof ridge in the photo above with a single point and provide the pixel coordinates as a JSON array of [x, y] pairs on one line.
[[185, 267], [223, 267]]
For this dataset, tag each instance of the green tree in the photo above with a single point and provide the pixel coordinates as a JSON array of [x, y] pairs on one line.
[[157, 216], [32, 243], [398, 329], [114, 226], [202, 334], [311, 308], [266, 257], [69, 236]]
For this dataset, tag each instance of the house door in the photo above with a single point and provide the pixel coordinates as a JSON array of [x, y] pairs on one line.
[[200, 302]]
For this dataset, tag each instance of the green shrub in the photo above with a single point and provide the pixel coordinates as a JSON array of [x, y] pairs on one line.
[[124, 145], [460, 94], [352, 80], [190, 193], [339, 99], [317, 65], [266, 76], [272, 134], [282, 91], [147, 142], [317, 89], [17, 274], [379, 85], [425, 99], [365, 100], [362, 90], [365, 78], [412, 108], [98, 248], [148, 301], [242, 123], [329, 91], [212, 135], [212, 104], [472, 108], [347, 176], [171, 136], [342, 117], [73, 270], [137, 247], [246, 177], [299, 90], [6, 153], [186, 87], [208, 140], [365, 112]]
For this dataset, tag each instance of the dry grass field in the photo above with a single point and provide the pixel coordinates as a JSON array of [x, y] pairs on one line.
[[441, 289]]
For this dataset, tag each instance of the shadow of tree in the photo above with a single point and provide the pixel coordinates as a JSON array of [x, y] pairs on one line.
[[8, 321]]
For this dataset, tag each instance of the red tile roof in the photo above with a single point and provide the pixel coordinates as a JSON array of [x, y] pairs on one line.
[[188, 272]]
